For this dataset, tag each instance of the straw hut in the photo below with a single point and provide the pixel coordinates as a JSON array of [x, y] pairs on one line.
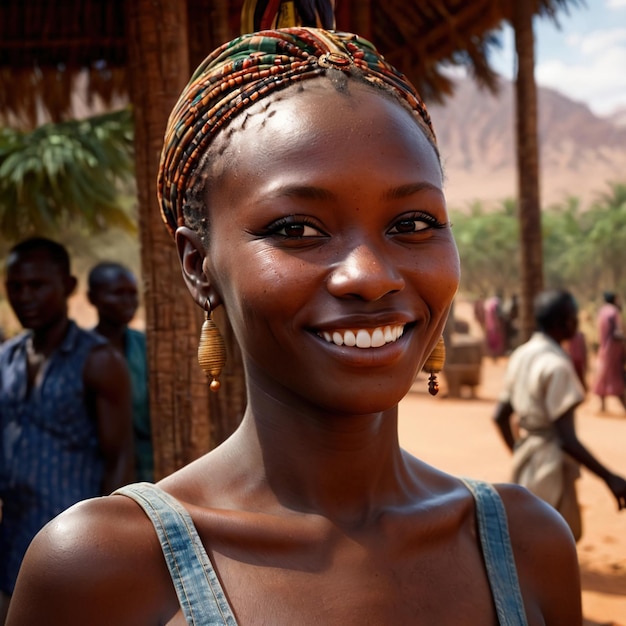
[[144, 49]]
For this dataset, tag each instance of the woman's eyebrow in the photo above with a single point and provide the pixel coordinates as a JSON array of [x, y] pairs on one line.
[[303, 191], [403, 191]]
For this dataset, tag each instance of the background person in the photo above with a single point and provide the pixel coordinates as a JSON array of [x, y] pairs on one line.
[[510, 323], [301, 179], [64, 405], [576, 347], [112, 290], [609, 379], [543, 389], [494, 327]]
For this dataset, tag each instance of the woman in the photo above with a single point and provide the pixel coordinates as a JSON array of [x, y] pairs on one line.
[[301, 178], [609, 379]]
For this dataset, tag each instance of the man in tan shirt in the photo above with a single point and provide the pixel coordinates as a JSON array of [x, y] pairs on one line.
[[542, 388]]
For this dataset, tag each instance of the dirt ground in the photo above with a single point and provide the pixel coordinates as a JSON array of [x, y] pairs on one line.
[[457, 435]]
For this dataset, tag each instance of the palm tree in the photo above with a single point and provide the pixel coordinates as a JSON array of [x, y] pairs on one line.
[[531, 254]]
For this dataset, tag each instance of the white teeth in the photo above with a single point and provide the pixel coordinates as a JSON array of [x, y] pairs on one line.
[[349, 339], [365, 338], [378, 338]]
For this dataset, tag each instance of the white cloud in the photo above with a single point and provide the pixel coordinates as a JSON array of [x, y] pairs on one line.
[[597, 76], [598, 41], [574, 40], [454, 72], [616, 4]]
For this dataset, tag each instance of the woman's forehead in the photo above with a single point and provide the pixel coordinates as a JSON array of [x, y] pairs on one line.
[[354, 118], [322, 142]]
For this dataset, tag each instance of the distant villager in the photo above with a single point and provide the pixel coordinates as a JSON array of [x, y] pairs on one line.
[[494, 327], [576, 347], [542, 388], [609, 379]]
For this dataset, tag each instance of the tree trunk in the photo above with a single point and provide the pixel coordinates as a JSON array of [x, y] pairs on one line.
[[361, 18], [185, 422], [529, 207], [158, 69], [209, 28]]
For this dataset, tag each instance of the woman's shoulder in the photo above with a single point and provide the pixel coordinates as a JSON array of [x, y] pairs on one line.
[[531, 518], [99, 561], [545, 555], [95, 524]]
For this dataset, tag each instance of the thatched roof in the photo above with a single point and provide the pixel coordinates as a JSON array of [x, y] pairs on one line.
[[46, 44]]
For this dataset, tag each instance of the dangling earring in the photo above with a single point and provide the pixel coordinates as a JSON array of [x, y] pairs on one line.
[[211, 349], [434, 364]]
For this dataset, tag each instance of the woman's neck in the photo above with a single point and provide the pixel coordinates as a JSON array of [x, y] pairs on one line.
[[346, 467]]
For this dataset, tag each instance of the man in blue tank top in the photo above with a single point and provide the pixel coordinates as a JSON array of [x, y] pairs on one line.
[[65, 406]]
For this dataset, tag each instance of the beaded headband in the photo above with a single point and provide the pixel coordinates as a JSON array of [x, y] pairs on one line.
[[246, 69]]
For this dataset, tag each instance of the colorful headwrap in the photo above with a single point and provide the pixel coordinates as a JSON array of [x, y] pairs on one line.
[[247, 69]]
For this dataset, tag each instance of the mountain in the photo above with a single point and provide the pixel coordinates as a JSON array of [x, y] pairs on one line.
[[619, 117], [579, 151]]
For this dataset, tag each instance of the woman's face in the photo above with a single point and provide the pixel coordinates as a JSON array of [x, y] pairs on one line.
[[330, 246]]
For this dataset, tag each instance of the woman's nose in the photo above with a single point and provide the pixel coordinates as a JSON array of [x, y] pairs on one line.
[[365, 273]]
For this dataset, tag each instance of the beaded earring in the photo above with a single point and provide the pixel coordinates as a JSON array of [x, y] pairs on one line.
[[211, 349], [434, 364]]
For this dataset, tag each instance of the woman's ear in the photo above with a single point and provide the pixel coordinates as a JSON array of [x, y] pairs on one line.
[[191, 254]]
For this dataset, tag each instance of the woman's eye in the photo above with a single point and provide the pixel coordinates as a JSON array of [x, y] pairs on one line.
[[409, 226], [298, 230], [295, 230], [414, 223]]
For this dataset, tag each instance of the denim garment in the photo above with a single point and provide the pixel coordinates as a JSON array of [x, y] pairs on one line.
[[199, 592], [204, 602], [495, 542], [49, 450]]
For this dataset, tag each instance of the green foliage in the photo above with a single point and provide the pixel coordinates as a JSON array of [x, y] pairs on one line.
[[584, 248], [607, 235], [488, 248], [67, 175]]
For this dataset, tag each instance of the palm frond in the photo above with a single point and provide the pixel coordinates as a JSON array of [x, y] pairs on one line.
[[64, 173]]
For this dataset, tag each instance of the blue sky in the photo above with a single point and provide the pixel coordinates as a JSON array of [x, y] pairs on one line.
[[585, 58]]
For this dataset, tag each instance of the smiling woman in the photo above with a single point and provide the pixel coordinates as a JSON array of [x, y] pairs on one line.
[[301, 179]]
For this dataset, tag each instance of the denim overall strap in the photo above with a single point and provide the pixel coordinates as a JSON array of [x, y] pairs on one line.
[[199, 592], [498, 554]]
